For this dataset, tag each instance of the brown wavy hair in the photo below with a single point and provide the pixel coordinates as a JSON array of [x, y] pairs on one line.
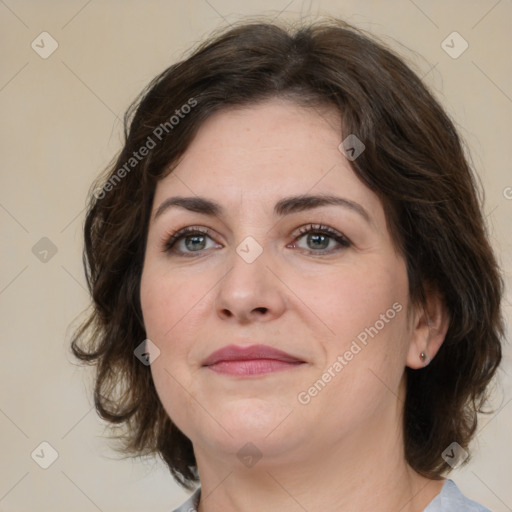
[[414, 161]]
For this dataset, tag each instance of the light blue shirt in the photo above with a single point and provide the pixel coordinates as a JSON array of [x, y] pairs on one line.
[[450, 499]]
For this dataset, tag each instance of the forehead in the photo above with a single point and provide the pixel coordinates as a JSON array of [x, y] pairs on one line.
[[260, 153]]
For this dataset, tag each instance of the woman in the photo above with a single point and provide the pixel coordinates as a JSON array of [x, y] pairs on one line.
[[295, 300]]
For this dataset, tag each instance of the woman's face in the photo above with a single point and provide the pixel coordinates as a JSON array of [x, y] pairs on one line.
[[248, 273]]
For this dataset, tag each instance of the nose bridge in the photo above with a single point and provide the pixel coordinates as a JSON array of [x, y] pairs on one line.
[[249, 287], [248, 267], [250, 250]]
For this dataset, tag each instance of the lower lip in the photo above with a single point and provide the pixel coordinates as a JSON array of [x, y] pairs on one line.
[[248, 367]]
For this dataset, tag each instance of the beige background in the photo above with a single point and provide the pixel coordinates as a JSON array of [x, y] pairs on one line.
[[61, 126]]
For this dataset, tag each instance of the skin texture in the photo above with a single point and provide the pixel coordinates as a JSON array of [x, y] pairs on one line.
[[343, 450]]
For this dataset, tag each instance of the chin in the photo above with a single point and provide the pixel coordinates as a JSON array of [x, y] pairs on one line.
[[257, 416], [265, 425]]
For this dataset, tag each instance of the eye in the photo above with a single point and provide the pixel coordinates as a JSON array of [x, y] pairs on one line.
[[318, 239], [189, 240], [321, 239]]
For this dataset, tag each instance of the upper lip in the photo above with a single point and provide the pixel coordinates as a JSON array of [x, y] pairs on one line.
[[238, 353]]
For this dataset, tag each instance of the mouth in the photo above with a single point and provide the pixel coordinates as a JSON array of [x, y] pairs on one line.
[[253, 360]]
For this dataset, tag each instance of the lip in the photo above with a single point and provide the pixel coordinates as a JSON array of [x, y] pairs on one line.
[[251, 360]]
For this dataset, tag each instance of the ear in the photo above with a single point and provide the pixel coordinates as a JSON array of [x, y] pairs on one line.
[[430, 323]]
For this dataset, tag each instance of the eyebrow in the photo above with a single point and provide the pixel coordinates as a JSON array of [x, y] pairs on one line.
[[283, 207]]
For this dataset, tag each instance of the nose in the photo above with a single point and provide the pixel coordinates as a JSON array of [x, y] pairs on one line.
[[250, 291]]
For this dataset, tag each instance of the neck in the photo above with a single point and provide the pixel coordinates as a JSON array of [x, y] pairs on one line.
[[364, 471]]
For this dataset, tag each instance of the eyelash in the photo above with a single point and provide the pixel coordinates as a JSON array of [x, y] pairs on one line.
[[320, 229], [170, 241], [182, 233]]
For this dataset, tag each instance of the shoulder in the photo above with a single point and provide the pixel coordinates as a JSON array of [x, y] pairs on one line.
[[191, 504], [450, 499]]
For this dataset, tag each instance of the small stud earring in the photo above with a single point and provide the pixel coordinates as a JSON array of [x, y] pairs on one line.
[[423, 356]]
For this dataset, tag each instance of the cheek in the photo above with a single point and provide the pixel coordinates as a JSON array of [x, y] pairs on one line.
[[170, 302], [355, 298], [367, 312], [168, 308], [174, 306], [172, 388], [373, 332]]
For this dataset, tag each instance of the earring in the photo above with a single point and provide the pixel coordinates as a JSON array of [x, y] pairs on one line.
[[423, 357]]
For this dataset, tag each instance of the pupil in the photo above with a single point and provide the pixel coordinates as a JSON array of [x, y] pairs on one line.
[[324, 241], [194, 245]]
